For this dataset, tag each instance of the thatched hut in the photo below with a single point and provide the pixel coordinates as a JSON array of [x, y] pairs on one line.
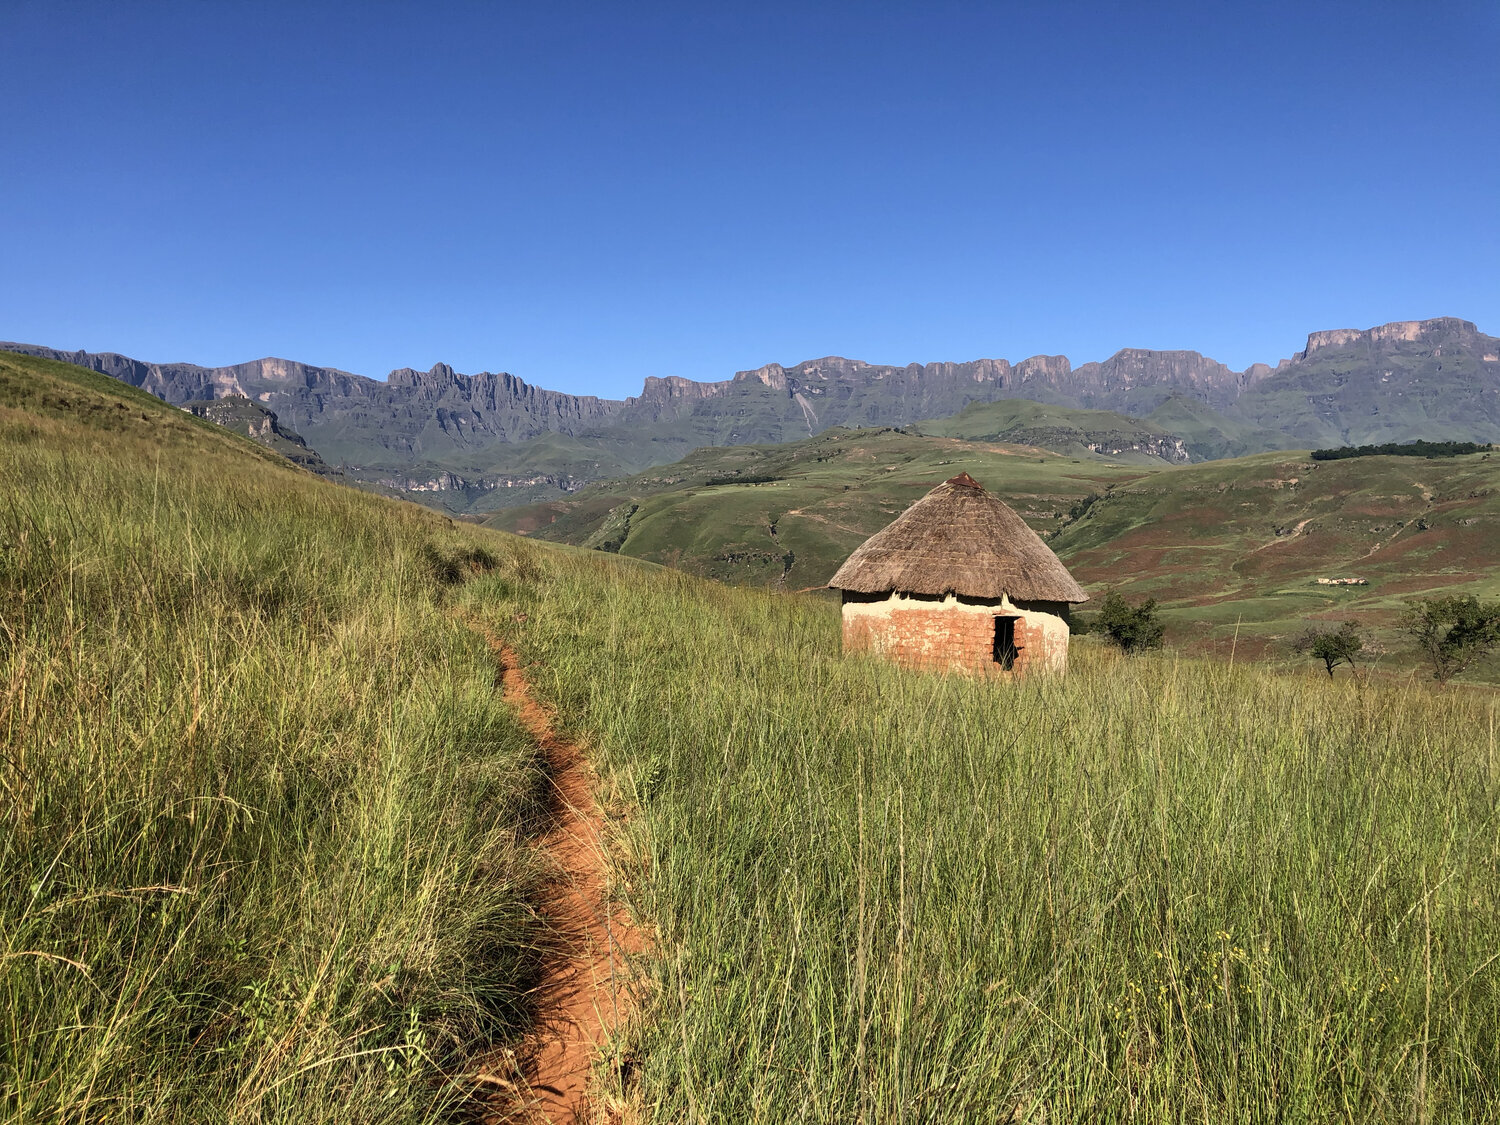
[[959, 581]]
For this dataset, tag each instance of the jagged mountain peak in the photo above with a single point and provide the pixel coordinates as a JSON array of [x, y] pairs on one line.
[[1436, 378]]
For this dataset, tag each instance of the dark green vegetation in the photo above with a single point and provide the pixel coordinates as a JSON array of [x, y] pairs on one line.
[[472, 444], [1157, 890], [1452, 632], [1130, 628], [1402, 449], [262, 813], [1333, 646]]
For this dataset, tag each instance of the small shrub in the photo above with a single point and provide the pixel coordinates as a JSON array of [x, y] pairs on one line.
[[1080, 508], [1133, 628]]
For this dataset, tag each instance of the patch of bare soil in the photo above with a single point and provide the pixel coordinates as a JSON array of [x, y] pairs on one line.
[[586, 993]]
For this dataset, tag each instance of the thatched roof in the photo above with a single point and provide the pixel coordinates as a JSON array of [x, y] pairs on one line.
[[958, 539]]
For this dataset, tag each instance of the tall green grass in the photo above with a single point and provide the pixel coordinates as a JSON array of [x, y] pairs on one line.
[[263, 815], [1156, 890]]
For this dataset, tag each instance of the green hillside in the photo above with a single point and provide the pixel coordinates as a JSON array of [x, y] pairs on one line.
[[1209, 435], [1236, 547], [787, 515], [1060, 429], [1232, 549], [264, 821], [1156, 890]]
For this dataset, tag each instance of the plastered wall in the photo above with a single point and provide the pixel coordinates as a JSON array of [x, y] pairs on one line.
[[955, 635]]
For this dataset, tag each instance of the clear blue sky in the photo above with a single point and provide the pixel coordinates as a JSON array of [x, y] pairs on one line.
[[585, 195]]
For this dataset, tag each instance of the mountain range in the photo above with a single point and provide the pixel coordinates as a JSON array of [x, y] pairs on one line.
[[484, 441]]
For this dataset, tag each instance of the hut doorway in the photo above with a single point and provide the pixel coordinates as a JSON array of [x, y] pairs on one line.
[[1005, 650]]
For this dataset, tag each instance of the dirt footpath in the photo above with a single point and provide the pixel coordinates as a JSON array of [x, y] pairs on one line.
[[583, 998]]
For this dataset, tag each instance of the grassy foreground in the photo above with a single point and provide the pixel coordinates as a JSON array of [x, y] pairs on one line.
[[1155, 890], [262, 812]]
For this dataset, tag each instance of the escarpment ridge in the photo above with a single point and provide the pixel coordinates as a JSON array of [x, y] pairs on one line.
[[1437, 379]]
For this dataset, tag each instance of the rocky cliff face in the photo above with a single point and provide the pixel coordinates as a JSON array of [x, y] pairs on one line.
[[1120, 380], [357, 419], [1397, 332], [850, 392], [237, 412], [1437, 379], [1434, 378], [415, 415]]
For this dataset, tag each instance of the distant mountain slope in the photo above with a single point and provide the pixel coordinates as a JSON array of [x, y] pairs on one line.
[[489, 439], [1062, 430], [1436, 379], [1209, 435], [254, 421]]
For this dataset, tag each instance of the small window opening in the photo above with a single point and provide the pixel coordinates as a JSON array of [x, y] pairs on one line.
[[1005, 643]]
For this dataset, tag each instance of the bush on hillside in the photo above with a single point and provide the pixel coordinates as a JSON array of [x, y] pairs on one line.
[[1133, 628], [1452, 632]]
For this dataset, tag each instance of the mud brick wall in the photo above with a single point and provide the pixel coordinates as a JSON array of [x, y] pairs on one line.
[[941, 638]]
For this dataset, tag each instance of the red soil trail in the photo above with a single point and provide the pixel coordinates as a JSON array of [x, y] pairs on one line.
[[585, 995]]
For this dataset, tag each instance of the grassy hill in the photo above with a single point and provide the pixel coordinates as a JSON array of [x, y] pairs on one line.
[[1159, 889], [1232, 549], [787, 515], [1061, 430], [263, 818], [266, 825]]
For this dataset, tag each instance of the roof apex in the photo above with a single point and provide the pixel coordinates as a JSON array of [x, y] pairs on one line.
[[959, 539]]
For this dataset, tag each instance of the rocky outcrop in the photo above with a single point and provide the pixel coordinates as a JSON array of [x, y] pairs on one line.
[[1409, 379], [1397, 332], [238, 413], [452, 482], [1170, 449], [1434, 378]]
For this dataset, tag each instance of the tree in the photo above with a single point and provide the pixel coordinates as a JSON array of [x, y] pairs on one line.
[[1332, 646], [1133, 628], [1452, 632]]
